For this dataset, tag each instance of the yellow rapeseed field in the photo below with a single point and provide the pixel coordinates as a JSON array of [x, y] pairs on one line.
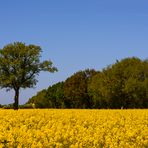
[[51, 128]]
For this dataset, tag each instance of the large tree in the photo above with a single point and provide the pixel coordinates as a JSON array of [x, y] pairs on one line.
[[123, 84], [19, 66], [75, 89]]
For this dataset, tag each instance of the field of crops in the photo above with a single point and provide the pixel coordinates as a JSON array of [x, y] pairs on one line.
[[73, 128]]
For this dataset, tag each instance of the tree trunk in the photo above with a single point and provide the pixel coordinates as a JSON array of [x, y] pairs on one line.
[[16, 99]]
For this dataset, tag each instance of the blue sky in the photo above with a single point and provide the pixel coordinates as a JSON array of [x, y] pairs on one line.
[[74, 34]]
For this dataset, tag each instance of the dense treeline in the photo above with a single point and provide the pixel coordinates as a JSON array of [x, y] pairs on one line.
[[123, 84], [73, 93]]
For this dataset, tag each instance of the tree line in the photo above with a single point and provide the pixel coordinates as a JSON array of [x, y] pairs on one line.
[[123, 84]]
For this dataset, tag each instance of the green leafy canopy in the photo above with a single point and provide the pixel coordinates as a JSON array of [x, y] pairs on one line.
[[19, 65]]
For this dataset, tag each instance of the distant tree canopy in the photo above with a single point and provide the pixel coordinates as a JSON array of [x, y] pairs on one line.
[[76, 89], [69, 94], [123, 84], [19, 65], [53, 97]]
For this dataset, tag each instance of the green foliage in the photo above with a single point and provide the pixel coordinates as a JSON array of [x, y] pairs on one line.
[[27, 106], [75, 90], [19, 65], [39, 100], [121, 85], [53, 97], [8, 106], [69, 94]]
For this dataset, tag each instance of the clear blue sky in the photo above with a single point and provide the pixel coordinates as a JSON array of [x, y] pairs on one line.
[[75, 34]]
